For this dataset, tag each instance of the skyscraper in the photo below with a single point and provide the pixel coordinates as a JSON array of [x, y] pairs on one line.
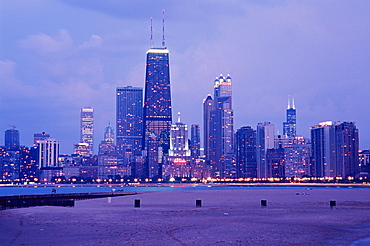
[[246, 152], [265, 136], [221, 129], [177, 162], [129, 114], [157, 110], [48, 153], [289, 127], [195, 141], [323, 150], [347, 148], [208, 107], [107, 158], [179, 144], [12, 139], [87, 127]]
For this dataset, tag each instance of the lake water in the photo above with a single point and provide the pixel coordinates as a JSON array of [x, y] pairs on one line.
[[45, 189]]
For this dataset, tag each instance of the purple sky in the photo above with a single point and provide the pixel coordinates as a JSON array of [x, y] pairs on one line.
[[59, 56]]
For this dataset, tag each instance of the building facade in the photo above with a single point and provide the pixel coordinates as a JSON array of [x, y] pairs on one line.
[[265, 139], [335, 149], [87, 127], [290, 126], [221, 130], [12, 141], [246, 151], [129, 115], [195, 141], [157, 115]]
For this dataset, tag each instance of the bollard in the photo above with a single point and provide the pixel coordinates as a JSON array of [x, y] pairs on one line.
[[333, 204], [137, 203], [263, 203], [198, 203], [109, 199]]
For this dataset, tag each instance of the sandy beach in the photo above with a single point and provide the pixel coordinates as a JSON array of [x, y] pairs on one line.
[[171, 218]]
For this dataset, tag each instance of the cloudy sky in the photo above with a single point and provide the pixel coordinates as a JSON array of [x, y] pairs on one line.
[[57, 56]]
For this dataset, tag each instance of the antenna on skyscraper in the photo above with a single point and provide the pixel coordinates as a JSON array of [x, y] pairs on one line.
[[151, 32], [13, 126], [163, 40], [293, 103]]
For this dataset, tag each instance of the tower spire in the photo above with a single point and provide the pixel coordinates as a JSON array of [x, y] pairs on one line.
[[288, 102], [293, 106], [151, 32], [178, 117], [163, 40]]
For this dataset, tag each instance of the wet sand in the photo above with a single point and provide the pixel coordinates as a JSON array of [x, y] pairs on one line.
[[171, 218]]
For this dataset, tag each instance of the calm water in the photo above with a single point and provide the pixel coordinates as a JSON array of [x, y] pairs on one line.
[[44, 189]]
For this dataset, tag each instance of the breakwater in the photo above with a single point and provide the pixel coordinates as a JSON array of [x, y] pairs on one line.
[[62, 199]]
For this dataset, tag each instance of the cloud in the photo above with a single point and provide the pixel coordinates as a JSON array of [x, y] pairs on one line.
[[95, 41], [45, 44]]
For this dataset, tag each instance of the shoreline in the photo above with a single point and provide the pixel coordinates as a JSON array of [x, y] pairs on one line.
[[367, 185], [226, 217]]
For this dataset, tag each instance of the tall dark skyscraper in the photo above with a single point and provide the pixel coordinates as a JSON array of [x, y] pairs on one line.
[[195, 141], [208, 107], [323, 150], [289, 127], [129, 115], [12, 139], [246, 152], [157, 110], [220, 124], [347, 146]]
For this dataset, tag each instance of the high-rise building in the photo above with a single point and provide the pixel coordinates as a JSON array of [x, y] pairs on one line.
[[12, 139], [335, 149], [157, 114], [289, 127], [221, 129], [323, 150], [208, 107], [178, 159], [179, 144], [107, 145], [87, 127], [129, 114], [297, 154], [246, 160], [364, 157], [275, 163], [195, 141], [265, 139], [347, 148], [108, 167], [48, 153]]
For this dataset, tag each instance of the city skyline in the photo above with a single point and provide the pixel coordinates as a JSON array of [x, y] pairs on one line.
[[49, 70]]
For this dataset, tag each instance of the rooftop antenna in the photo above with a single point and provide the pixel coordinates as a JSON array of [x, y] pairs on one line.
[[163, 40], [293, 103], [178, 117], [12, 126], [151, 32], [288, 102]]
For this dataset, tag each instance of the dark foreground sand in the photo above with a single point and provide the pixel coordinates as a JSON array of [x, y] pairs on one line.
[[171, 218]]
